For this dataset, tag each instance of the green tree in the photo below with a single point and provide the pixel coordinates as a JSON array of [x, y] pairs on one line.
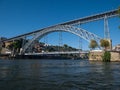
[[65, 46], [93, 44], [17, 44], [104, 43], [106, 57]]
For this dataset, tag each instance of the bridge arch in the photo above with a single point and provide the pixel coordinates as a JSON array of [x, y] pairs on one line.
[[65, 28]]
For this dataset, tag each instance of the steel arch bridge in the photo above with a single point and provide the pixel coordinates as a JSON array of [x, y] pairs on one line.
[[71, 26], [64, 28]]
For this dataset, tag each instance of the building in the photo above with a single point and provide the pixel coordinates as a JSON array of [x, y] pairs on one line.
[[116, 48]]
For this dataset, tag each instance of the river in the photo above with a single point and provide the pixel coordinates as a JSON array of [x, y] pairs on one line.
[[59, 75]]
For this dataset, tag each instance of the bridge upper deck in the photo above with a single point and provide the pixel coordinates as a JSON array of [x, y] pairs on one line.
[[74, 22]]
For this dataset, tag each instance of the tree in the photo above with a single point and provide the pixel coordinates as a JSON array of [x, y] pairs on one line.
[[15, 46], [3, 44], [104, 43], [65, 46], [93, 44], [106, 57]]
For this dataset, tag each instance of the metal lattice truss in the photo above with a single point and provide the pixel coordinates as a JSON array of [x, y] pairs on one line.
[[65, 28], [68, 27]]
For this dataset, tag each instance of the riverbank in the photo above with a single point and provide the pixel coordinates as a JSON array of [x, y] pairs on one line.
[[40, 57]]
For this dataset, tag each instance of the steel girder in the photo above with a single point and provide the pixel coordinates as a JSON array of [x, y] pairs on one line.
[[65, 28], [83, 20]]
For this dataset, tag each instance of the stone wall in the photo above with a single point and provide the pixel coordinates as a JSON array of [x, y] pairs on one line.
[[115, 56], [97, 56]]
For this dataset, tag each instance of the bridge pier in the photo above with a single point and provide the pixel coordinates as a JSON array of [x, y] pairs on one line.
[[107, 33]]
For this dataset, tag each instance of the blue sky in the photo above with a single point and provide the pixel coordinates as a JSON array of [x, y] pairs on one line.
[[22, 16]]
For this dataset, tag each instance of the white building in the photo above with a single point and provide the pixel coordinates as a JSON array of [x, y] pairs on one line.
[[116, 48]]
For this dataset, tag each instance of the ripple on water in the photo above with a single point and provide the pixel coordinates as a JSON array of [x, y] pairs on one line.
[[58, 75]]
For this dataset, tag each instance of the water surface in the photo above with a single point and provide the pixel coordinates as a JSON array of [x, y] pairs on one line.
[[59, 75]]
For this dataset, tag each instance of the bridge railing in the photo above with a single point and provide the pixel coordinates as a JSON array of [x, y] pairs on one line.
[[68, 52]]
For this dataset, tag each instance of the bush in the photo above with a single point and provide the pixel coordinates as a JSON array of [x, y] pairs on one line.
[[106, 57]]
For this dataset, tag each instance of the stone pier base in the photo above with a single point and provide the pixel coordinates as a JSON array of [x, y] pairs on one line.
[[96, 55]]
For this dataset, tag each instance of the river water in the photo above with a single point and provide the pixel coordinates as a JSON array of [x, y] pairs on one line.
[[59, 75]]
